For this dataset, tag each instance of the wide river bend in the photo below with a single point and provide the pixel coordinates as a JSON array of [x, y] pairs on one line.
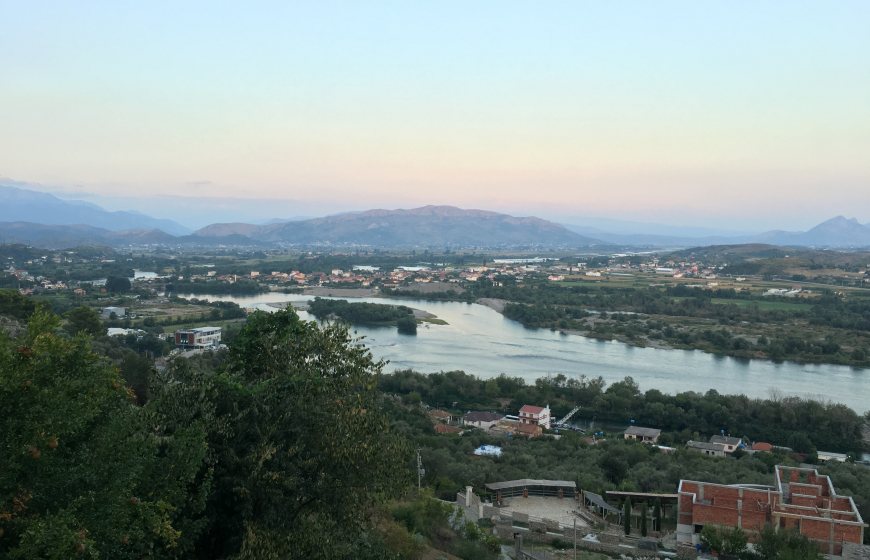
[[480, 341]]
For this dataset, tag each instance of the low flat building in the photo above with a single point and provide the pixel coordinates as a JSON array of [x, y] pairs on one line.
[[482, 420], [645, 435], [731, 443], [707, 448], [830, 456], [801, 500], [529, 430], [200, 337]]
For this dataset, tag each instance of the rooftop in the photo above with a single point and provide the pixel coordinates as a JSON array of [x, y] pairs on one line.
[[726, 440], [643, 432], [531, 409], [526, 482], [705, 445], [483, 417]]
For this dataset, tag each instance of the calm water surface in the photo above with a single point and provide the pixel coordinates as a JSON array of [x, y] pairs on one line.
[[482, 342]]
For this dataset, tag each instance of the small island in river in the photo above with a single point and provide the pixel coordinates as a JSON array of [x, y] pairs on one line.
[[368, 314]]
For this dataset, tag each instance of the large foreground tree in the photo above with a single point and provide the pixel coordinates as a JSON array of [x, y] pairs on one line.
[[281, 452], [308, 451], [77, 457]]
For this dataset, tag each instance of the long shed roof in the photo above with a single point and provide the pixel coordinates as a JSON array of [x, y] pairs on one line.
[[531, 482]]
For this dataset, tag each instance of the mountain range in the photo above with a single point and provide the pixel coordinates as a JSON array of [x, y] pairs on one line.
[[45, 220], [430, 226], [22, 205]]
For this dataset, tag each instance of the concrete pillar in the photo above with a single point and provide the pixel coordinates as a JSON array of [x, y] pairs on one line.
[[468, 496]]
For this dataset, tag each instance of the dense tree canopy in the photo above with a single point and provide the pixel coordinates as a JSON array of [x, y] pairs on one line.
[[279, 451], [76, 456], [83, 319]]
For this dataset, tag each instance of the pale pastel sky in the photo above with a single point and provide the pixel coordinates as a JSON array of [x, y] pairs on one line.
[[698, 112]]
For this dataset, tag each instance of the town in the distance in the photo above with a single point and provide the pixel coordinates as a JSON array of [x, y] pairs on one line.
[[482, 385]]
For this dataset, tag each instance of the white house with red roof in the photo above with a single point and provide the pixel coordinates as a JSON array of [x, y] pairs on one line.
[[530, 414]]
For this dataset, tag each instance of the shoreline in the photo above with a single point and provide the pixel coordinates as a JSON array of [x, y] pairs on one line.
[[498, 306]]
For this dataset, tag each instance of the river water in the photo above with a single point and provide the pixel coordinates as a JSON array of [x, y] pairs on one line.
[[480, 341]]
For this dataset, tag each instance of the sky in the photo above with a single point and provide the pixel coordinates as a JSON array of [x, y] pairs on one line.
[[737, 115]]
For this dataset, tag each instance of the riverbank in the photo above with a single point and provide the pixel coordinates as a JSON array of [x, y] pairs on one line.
[[483, 342], [602, 328]]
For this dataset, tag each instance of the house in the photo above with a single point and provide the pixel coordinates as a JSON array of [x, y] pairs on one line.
[[536, 415], [529, 430], [482, 420], [106, 312], [731, 443], [801, 500], [829, 456], [200, 337], [707, 448], [645, 435], [762, 446]]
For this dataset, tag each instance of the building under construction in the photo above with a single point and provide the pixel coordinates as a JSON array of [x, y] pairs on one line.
[[802, 500]]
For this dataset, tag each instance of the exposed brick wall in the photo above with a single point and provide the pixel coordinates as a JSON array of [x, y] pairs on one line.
[[753, 509], [807, 489]]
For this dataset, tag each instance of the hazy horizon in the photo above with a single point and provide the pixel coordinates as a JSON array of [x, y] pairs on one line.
[[197, 212], [692, 114]]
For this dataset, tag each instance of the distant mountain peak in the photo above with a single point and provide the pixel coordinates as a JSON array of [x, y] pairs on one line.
[[840, 220]]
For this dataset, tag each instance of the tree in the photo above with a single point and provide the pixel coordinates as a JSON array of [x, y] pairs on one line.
[[77, 465], [626, 516], [644, 511], [785, 544], [83, 319], [407, 325], [15, 305], [309, 452], [118, 284], [728, 542]]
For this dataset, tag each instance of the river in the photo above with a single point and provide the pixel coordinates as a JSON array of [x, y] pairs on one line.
[[480, 341]]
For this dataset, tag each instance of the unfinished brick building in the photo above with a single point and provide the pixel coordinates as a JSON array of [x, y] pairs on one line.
[[802, 500]]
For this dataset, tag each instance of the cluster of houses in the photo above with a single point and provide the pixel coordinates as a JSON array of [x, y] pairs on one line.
[[367, 276], [530, 421], [720, 445]]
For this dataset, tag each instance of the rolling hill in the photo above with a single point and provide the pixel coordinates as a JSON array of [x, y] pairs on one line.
[[428, 226]]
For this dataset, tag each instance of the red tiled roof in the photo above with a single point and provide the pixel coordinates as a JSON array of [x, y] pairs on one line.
[[762, 446], [531, 409]]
